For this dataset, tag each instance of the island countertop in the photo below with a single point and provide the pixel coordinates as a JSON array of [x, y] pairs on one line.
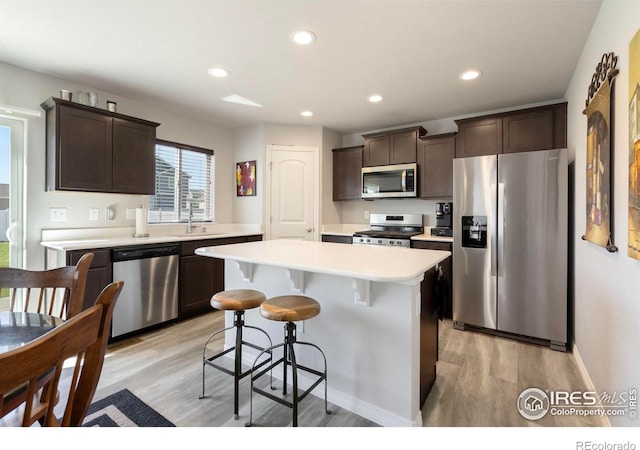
[[373, 263]]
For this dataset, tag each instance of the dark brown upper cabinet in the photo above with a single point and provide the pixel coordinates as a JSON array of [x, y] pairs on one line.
[[435, 165], [540, 128], [347, 173], [90, 149], [391, 147]]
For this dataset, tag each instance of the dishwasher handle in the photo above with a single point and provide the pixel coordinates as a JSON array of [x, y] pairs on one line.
[[128, 254]]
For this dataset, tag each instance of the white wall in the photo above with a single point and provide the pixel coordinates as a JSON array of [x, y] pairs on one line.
[[607, 286], [27, 89], [250, 144], [330, 212]]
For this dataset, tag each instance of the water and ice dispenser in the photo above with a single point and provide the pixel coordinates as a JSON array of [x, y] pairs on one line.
[[474, 231]]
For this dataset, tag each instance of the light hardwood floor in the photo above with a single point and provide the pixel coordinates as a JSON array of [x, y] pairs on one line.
[[479, 380]]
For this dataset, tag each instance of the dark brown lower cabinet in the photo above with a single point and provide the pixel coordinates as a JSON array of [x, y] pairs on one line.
[[337, 238], [201, 276], [447, 269], [99, 276], [428, 335]]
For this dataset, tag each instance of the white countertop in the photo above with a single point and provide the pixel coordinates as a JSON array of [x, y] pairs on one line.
[[343, 229], [373, 263], [90, 238], [426, 236]]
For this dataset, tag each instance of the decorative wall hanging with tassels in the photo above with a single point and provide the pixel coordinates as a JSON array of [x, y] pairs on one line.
[[599, 111]]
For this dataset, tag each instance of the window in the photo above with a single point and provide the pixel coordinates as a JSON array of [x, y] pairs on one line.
[[184, 184]]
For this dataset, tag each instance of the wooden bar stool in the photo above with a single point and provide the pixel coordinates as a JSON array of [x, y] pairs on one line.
[[289, 309], [239, 301]]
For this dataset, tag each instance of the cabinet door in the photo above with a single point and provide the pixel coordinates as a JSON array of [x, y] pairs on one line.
[[479, 137], [428, 335], [529, 131], [447, 269], [200, 278], [83, 153], [133, 157], [376, 151], [99, 276], [435, 166], [337, 239], [402, 147], [347, 173]]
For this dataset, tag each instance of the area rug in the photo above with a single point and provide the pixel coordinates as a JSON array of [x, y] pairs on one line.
[[123, 409]]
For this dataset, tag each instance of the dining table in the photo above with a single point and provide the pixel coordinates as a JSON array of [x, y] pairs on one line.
[[16, 330], [20, 328]]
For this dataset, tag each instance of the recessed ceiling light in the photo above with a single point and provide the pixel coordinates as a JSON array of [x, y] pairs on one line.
[[375, 98], [241, 100], [218, 72], [303, 37], [469, 75], [306, 113]]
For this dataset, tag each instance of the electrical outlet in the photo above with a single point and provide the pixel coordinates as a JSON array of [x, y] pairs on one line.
[[58, 214], [366, 214], [110, 213], [131, 213], [94, 214]]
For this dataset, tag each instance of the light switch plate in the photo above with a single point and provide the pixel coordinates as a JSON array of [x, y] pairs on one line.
[[366, 214], [58, 214], [94, 214]]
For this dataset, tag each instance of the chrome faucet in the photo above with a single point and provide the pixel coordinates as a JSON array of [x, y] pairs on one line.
[[190, 225]]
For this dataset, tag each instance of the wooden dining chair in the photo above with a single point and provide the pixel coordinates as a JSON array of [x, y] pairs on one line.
[[84, 337], [56, 292], [94, 357]]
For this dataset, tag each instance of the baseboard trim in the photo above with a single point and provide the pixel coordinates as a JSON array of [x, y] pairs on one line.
[[340, 398], [586, 378]]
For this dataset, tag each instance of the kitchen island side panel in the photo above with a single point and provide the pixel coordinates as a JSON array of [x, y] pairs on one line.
[[373, 352]]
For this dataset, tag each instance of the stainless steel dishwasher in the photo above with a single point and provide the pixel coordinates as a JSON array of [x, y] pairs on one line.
[[150, 292]]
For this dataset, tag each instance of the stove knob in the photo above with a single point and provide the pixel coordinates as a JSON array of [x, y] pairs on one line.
[[391, 242], [379, 241], [368, 240], [360, 240]]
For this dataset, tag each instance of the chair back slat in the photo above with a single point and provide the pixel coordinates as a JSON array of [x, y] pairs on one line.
[[60, 291], [94, 357]]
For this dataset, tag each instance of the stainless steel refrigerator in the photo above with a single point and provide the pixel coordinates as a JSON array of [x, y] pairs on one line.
[[510, 221]]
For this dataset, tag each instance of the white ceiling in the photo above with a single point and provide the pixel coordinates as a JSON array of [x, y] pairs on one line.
[[411, 52]]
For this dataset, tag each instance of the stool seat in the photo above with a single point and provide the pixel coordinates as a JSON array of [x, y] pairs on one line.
[[237, 299], [289, 308]]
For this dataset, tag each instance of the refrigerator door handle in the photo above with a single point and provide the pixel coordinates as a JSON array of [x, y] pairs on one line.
[[494, 248], [501, 216]]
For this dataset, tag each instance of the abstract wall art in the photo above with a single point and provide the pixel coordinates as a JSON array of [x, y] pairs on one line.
[[246, 179]]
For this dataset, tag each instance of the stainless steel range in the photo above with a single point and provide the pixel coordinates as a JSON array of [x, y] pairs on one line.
[[390, 229]]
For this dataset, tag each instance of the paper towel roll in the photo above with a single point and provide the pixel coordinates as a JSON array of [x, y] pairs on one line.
[[141, 221]]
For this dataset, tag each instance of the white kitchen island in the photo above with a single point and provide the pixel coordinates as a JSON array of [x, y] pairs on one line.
[[370, 323]]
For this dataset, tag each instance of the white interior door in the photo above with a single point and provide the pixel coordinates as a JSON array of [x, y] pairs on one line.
[[292, 192]]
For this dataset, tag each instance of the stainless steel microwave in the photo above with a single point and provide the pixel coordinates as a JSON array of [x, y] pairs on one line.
[[396, 181]]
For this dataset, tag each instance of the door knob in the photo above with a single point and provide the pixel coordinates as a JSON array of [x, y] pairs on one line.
[[309, 230]]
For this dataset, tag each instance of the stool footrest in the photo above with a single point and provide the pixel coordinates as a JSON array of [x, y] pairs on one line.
[[210, 363], [321, 377]]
